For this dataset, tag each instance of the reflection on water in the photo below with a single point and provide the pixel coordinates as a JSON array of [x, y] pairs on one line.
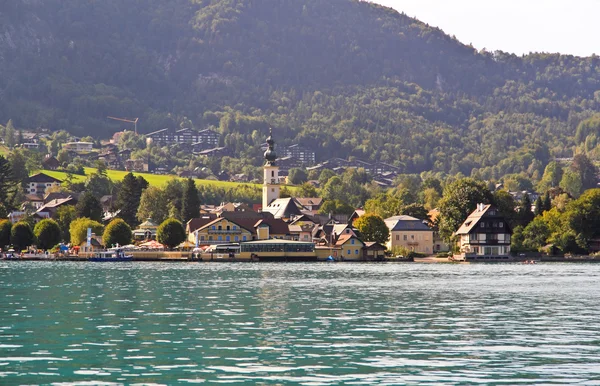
[[311, 324]]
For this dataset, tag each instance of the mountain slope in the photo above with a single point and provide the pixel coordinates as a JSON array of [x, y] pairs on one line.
[[346, 77]]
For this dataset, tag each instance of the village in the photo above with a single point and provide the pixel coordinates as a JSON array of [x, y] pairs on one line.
[[280, 228]]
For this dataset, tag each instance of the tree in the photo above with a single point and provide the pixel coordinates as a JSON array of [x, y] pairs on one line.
[[21, 236], [571, 183], [9, 134], [372, 228], [89, 206], [5, 228], [64, 216], [459, 200], [170, 233], [47, 233], [505, 203], [335, 207], [535, 234], [190, 206], [117, 232], [18, 163], [79, 227], [547, 202], [99, 185], [306, 190], [384, 205], [539, 206], [525, 213], [148, 207], [553, 174], [582, 216], [415, 210], [8, 187], [297, 176], [587, 171], [128, 198]]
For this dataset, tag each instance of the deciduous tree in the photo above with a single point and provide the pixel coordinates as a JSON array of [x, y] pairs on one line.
[[372, 228], [117, 232], [170, 233], [79, 227], [47, 233], [21, 236]]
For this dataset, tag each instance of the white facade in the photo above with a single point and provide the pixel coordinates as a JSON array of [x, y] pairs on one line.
[[270, 184], [79, 147]]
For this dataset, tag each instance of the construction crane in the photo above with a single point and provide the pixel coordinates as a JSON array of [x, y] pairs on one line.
[[135, 121]]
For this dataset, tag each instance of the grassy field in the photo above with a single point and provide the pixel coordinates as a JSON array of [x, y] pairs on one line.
[[153, 179]]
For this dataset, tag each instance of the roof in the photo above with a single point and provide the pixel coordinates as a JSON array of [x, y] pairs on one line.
[[56, 203], [405, 223], [42, 177], [309, 201], [277, 241], [374, 244], [283, 208], [34, 197], [157, 132], [148, 224], [473, 219], [345, 237]]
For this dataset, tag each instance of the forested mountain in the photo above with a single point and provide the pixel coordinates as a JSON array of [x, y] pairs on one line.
[[345, 77]]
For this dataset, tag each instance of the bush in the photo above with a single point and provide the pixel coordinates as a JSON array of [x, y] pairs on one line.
[[47, 233], [170, 233], [117, 232]]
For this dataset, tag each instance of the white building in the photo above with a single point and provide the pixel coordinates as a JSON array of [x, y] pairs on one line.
[[78, 147], [271, 173]]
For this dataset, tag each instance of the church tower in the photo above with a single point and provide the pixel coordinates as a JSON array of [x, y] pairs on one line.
[[271, 173]]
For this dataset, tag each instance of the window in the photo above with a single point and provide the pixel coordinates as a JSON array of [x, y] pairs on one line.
[[214, 227], [272, 173], [397, 237], [220, 227], [228, 238], [348, 252], [356, 251], [210, 238], [243, 238], [405, 237], [235, 227], [501, 224], [201, 238], [412, 237], [482, 225], [352, 241], [236, 238]]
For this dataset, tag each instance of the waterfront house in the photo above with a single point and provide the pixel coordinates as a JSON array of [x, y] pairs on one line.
[[351, 247], [410, 233], [373, 251], [485, 233], [146, 230]]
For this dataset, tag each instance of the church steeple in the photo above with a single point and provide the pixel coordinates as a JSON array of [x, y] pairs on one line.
[[271, 173], [270, 155]]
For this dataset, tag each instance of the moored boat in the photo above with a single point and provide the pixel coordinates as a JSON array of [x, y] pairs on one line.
[[114, 255]]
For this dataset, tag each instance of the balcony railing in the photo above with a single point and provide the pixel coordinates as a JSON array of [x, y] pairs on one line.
[[225, 231]]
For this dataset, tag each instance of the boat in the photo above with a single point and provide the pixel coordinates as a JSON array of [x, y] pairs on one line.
[[114, 255]]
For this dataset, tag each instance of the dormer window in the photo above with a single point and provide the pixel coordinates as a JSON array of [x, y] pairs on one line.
[[482, 225]]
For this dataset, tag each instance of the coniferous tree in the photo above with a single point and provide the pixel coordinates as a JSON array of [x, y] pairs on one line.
[[7, 187], [128, 199], [190, 206], [89, 206], [547, 201], [539, 206], [525, 213]]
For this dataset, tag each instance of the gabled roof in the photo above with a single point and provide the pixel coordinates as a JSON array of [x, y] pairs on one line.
[[405, 223], [283, 208], [33, 197], [309, 201], [474, 218], [199, 222], [345, 237], [42, 177], [158, 132]]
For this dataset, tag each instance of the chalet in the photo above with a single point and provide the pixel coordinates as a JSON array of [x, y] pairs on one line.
[[186, 135], [52, 206], [136, 165], [410, 233], [311, 204], [382, 167], [485, 233], [34, 201], [305, 156], [373, 251], [39, 183], [50, 162], [146, 230], [287, 163]]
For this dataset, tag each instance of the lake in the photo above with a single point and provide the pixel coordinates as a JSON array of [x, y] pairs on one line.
[[306, 324]]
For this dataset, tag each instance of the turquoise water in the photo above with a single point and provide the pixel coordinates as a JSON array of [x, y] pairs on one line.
[[310, 324]]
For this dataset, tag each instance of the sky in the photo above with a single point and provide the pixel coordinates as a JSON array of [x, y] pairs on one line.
[[516, 26]]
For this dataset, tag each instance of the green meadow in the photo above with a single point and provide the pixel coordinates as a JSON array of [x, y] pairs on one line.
[[153, 179]]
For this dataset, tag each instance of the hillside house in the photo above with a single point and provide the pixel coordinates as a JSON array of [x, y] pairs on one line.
[[39, 183]]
